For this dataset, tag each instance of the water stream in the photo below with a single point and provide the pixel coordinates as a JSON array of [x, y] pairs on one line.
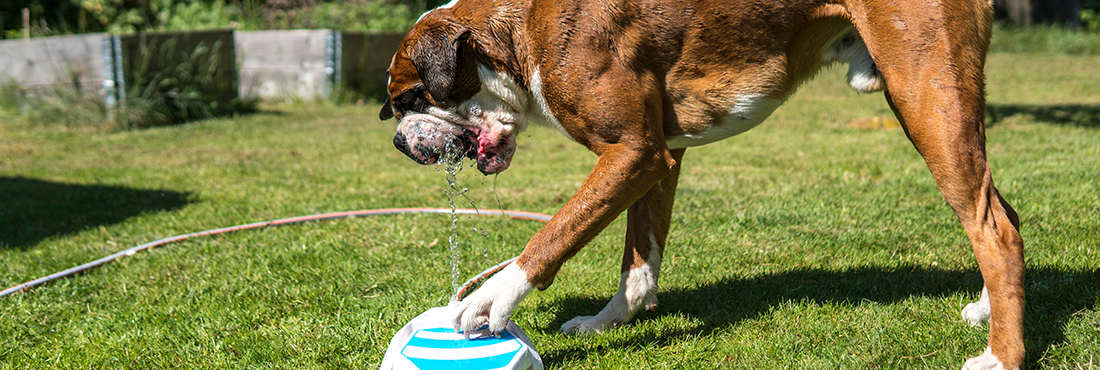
[[452, 161], [452, 164]]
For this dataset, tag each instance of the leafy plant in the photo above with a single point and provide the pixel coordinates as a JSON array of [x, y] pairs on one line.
[[120, 16], [172, 84], [1091, 20]]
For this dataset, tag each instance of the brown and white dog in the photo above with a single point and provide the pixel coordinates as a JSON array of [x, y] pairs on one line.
[[638, 81]]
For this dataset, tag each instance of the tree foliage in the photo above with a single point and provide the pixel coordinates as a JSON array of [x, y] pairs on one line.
[[53, 17]]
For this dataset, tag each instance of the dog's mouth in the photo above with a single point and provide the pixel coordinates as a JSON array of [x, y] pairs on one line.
[[423, 152], [427, 139]]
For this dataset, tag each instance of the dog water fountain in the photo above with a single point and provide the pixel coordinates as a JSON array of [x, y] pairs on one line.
[[430, 340]]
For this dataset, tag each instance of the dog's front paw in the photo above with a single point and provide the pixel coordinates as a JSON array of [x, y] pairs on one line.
[[493, 303], [617, 312], [587, 325], [977, 312]]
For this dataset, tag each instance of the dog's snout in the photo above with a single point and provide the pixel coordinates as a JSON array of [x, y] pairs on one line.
[[402, 144], [418, 152]]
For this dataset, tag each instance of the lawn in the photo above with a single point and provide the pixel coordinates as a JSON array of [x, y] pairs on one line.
[[804, 243]]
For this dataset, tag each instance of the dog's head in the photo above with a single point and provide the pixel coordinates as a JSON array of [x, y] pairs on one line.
[[435, 93]]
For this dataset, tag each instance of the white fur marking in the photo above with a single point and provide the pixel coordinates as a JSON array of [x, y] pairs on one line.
[[500, 104], [748, 111], [654, 255], [637, 290], [494, 302], [546, 116], [503, 86], [987, 361], [977, 312], [863, 75], [508, 97], [444, 6], [849, 48]]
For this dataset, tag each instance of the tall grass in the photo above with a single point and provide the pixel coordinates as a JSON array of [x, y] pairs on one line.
[[67, 105]]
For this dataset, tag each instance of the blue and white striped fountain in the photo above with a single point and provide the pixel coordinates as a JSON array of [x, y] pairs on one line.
[[430, 342]]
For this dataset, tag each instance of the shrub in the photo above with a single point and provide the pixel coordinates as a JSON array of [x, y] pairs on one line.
[[171, 82]]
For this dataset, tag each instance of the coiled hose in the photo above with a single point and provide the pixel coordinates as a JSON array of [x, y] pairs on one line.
[[459, 294]]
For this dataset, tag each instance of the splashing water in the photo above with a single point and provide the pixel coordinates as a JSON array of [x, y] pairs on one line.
[[452, 163]]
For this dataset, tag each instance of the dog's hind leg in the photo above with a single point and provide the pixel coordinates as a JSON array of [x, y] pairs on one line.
[[932, 56], [648, 221]]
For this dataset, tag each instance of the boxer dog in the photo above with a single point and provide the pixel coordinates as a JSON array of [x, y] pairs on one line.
[[639, 81]]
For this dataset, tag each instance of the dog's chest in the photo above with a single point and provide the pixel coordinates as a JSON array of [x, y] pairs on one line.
[[746, 111]]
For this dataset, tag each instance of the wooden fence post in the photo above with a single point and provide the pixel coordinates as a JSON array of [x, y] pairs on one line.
[[26, 23]]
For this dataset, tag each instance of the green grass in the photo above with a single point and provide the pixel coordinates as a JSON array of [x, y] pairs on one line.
[[800, 244], [1044, 39]]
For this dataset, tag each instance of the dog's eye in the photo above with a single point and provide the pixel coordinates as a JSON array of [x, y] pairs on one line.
[[412, 100], [403, 103]]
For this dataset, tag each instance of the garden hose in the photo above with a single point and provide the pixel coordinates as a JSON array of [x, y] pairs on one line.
[[459, 294]]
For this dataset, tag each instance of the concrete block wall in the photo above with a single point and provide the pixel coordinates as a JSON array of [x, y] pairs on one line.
[[308, 64], [304, 64], [283, 64], [51, 61]]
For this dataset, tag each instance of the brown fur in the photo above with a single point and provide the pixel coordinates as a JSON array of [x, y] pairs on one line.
[[621, 76]]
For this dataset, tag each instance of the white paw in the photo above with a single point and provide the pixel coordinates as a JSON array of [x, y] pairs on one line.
[[637, 290], [493, 303], [987, 361], [586, 325], [977, 312]]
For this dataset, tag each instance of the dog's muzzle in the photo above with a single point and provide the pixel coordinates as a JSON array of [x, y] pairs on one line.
[[427, 139]]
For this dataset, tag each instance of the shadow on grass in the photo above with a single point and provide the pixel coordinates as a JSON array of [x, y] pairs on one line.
[[1053, 297], [32, 210], [1083, 115]]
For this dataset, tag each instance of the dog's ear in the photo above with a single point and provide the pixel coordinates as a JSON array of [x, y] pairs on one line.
[[436, 57], [387, 110]]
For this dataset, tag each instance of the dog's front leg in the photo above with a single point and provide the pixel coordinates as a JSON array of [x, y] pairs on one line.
[[624, 172], [648, 221]]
